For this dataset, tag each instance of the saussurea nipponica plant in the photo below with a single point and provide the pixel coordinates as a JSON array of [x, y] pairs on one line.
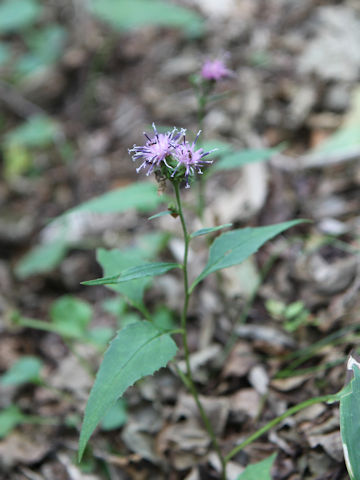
[[143, 347]]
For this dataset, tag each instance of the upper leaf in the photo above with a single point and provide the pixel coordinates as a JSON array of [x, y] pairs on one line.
[[138, 350], [232, 248], [135, 273], [205, 231]]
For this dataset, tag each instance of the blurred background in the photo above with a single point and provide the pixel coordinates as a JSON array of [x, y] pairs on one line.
[[80, 80]]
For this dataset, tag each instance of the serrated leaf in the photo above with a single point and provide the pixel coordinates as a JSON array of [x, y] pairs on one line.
[[10, 418], [232, 248], [141, 195], [350, 424], [205, 231], [129, 14], [258, 471], [240, 158], [25, 370], [138, 350], [135, 273], [18, 14]]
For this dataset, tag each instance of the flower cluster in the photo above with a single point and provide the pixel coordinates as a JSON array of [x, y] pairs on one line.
[[171, 153]]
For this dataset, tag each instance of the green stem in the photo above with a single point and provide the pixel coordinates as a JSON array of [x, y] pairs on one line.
[[188, 380], [277, 420]]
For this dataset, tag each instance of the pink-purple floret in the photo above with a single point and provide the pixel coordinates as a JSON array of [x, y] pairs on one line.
[[173, 144], [215, 70]]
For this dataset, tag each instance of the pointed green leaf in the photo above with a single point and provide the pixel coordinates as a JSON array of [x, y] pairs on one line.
[[232, 248], [258, 471], [160, 214], [205, 231], [350, 423], [25, 370], [138, 350], [135, 273]]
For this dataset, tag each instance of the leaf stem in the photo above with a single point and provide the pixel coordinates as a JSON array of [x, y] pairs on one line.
[[279, 419], [188, 379]]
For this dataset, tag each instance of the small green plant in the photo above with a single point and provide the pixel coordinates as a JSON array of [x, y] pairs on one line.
[[143, 347], [293, 316]]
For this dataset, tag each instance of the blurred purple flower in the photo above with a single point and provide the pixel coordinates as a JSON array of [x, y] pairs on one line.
[[192, 159], [215, 70], [156, 149]]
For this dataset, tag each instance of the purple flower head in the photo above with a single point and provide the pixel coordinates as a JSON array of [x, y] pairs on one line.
[[187, 156], [215, 70], [156, 149]]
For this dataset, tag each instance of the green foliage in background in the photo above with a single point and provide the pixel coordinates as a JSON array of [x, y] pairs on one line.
[[25, 370], [42, 258], [293, 315], [45, 48], [10, 418], [21, 143], [141, 196], [70, 318], [129, 14], [18, 14], [231, 158]]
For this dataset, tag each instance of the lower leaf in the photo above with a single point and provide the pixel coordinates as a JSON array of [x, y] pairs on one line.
[[138, 350]]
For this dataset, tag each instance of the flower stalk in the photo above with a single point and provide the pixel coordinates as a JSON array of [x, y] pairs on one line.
[[188, 380]]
